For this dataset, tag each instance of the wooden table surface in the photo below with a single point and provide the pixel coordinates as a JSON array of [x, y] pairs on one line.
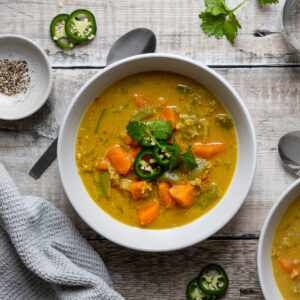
[[262, 67]]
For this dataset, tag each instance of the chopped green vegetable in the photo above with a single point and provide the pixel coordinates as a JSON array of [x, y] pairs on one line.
[[143, 113], [190, 127], [219, 20], [197, 172], [224, 120], [101, 183], [184, 89], [99, 120], [98, 189], [173, 177], [207, 197], [106, 182]]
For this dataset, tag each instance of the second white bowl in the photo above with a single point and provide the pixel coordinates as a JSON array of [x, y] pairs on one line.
[[264, 263]]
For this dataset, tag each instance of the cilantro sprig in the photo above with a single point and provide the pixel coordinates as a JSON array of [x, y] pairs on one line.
[[177, 157], [156, 130], [219, 20], [159, 130]]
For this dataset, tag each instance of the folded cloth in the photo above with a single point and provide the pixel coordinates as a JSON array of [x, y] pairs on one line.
[[42, 255]]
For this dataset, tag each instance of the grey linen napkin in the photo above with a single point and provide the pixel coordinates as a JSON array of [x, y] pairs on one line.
[[42, 255]]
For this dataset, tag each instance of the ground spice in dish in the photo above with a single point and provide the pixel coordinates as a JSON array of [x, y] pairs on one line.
[[14, 77]]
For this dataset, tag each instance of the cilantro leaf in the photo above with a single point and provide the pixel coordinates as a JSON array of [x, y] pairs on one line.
[[188, 159], [231, 27], [136, 130], [174, 162], [213, 25], [161, 129], [264, 2], [219, 20], [216, 7], [176, 147]]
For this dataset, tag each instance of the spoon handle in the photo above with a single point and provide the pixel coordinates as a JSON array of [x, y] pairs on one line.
[[45, 160]]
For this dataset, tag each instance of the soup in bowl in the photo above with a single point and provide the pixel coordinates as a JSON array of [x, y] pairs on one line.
[[174, 187], [279, 248], [157, 152]]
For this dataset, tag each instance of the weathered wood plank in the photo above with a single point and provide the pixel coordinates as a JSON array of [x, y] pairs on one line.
[[175, 23], [158, 276], [271, 95]]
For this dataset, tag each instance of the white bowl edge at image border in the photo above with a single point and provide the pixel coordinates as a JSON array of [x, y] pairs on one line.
[[50, 73], [252, 134], [260, 250]]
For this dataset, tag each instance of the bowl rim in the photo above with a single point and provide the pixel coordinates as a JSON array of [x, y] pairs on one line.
[[286, 35], [43, 99], [252, 168], [263, 233]]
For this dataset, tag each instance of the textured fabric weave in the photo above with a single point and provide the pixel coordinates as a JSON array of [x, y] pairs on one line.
[[42, 255]]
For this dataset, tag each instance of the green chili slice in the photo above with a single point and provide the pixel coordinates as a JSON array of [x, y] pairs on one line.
[[146, 166], [162, 153], [213, 280], [58, 33], [81, 26], [193, 291], [147, 141]]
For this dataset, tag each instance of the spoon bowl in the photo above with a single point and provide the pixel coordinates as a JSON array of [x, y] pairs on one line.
[[289, 151], [136, 41]]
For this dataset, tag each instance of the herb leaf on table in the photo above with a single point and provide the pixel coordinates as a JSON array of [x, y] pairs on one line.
[[219, 20]]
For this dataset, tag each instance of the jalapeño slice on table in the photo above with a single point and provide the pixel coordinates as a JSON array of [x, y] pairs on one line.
[[81, 26], [146, 166], [162, 153], [58, 33], [193, 291], [213, 280]]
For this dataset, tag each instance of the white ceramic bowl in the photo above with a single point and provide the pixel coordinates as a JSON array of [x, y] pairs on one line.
[[264, 263], [17, 47], [166, 239]]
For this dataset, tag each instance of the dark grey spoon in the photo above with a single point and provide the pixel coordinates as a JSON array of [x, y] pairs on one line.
[[289, 151], [134, 42]]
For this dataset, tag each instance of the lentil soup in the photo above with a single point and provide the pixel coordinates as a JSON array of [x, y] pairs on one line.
[[286, 253], [156, 150]]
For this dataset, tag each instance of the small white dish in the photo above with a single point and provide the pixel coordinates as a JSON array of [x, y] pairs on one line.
[[164, 239], [16, 47], [264, 263]]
